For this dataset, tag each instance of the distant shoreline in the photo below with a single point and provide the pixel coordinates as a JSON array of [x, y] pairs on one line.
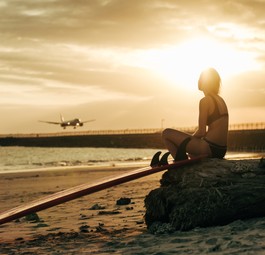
[[238, 140]]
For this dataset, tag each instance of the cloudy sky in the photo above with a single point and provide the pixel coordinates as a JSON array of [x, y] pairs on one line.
[[127, 63]]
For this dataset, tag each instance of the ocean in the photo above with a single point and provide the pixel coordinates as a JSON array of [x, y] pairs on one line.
[[15, 159]]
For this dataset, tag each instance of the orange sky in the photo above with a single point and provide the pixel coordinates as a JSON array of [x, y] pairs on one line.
[[128, 64]]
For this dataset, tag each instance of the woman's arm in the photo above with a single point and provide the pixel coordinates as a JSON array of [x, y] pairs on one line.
[[203, 114]]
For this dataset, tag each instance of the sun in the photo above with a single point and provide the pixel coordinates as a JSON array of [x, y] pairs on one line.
[[182, 64]]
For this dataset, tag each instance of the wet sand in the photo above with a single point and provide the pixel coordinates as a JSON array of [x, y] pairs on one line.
[[95, 224]]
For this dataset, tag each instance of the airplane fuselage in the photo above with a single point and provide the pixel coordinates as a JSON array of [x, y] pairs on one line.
[[75, 123]]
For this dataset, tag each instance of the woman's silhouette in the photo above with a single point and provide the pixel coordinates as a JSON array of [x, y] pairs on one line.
[[211, 136]]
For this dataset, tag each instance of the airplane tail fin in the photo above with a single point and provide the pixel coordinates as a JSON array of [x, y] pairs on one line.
[[62, 118]]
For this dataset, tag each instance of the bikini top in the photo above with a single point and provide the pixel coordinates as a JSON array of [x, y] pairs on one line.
[[216, 113]]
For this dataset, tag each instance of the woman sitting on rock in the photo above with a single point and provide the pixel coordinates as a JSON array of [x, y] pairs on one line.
[[211, 136]]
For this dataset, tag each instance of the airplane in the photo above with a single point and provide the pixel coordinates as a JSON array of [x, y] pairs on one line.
[[66, 123]]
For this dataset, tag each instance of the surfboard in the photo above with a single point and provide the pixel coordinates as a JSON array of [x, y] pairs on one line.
[[86, 189]]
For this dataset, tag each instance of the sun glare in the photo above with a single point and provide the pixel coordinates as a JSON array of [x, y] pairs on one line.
[[182, 64]]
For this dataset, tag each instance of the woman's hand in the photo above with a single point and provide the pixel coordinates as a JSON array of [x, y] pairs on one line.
[[199, 133]]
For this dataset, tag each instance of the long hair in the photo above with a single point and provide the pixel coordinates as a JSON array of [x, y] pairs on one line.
[[209, 81]]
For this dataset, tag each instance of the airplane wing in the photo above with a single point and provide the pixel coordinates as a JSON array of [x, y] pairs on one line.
[[87, 121], [50, 122]]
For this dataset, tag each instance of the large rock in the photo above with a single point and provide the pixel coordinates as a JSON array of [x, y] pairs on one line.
[[212, 192]]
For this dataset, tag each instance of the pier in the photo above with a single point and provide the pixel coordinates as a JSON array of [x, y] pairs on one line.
[[246, 139]]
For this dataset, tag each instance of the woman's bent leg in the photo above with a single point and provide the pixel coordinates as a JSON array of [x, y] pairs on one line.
[[173, 139], [178, 143]]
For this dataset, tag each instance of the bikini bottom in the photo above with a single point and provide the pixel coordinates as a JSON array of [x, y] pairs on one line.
[[218, 151]]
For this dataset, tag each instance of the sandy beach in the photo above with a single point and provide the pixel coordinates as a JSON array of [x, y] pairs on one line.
[[95, 224]]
